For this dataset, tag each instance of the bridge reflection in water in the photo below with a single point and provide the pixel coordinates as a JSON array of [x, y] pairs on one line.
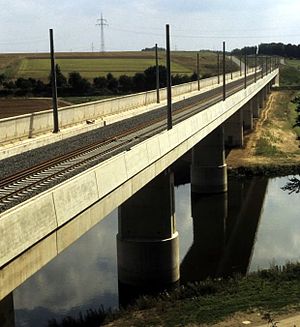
[[224, 228]]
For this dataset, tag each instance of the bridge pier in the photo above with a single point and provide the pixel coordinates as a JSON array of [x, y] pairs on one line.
[[248, 115], [147, 240], [255, 106], [7, 313], [275, 82], [208, 169], [260, 99], [234, 131]]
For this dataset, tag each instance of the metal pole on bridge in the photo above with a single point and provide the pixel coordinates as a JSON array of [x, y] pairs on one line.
[[157, 74], [169, 90], [255, 68], [54, 86], [224, 73], [240, 64], [231, 74], [245, 71], [198, 71], [218, 58]]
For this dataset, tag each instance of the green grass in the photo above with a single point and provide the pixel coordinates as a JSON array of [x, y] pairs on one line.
[[293, 115], [290, 73], [91, 65], [90, 68], [268, 292], [213, 300], [265, 148]]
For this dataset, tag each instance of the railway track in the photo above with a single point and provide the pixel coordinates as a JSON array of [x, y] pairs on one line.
[[27, 183]]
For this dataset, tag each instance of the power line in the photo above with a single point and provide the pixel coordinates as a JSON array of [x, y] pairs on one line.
[[102, 22]]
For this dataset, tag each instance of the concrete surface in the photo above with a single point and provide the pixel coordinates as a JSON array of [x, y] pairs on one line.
[[24, 225]]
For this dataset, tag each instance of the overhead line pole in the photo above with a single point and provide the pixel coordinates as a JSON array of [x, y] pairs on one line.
[[231, 73], [169, 90], [218, 58], [54, 85], [157, 74], [255, 68], [224, 73], [245, 71], [198, 71], [240, 64]]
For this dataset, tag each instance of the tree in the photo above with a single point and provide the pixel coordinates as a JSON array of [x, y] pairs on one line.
[[78, 84], [125, 83], [3, 78], [112, 83], [61, 80], [150, 77], [139, 83], [100, 83]]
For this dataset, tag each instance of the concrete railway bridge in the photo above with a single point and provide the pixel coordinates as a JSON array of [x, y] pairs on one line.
[[135, 180]]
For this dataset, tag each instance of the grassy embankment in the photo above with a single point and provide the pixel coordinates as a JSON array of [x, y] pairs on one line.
[[258, 295], [272, 148]]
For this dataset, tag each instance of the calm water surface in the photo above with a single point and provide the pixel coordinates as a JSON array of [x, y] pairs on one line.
[[255, 225]]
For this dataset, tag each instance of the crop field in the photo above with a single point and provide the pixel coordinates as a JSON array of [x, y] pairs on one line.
[[91, 65], [19, 106]]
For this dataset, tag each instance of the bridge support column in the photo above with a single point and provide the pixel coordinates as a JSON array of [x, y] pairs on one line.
[[7, 313], [255, 106], [248, 115], [147, 240], [208, 169], [265, 93], [276, 81], [234, 131], [260, 99]]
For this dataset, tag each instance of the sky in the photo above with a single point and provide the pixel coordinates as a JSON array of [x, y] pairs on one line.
[[136, 24]]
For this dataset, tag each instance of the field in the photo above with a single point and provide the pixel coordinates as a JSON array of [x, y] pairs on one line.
[[290, 73], [91, 65], [19, 106]]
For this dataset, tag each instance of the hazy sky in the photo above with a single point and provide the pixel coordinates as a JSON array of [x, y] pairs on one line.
[[134, 24]]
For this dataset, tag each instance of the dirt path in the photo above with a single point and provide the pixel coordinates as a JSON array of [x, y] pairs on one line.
[[274, 129]]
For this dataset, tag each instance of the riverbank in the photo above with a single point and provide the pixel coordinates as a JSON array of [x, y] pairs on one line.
[[259, 298], [272, 148]]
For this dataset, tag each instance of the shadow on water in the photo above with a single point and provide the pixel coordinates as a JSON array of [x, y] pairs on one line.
[[224, 228], [224, 231]]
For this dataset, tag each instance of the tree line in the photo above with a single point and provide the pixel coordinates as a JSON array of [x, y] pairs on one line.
[[271, 49], [75, 84]]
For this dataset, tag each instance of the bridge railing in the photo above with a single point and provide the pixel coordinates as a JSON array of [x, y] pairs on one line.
[[29, 125]]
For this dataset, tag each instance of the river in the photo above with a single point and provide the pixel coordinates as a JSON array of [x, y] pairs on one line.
[[254, 226]]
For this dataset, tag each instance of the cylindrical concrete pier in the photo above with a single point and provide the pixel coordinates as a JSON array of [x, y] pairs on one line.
[[147, 241], [208, 169]]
